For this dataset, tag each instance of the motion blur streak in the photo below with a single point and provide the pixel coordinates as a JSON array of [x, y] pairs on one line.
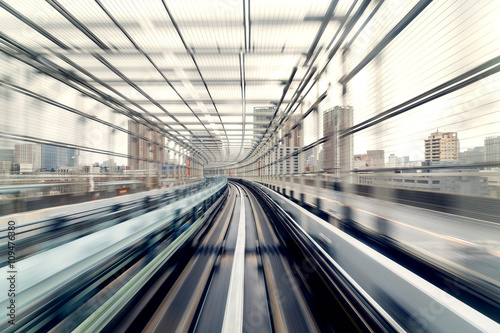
[[257, 166]]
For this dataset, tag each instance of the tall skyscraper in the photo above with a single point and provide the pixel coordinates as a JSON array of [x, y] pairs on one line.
[[337, 151], [441, 146], [492, 149]]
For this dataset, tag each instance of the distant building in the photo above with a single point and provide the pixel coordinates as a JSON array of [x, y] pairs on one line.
[[372, 159], [50, 157], [292, 143], [362, 161], [474, 155], [6, 160], [7, 155], [413, 163], [337, 151], [492, 149], [5, 167], [142, 151], [262, 117], [309, 160], [378, 157], [441, 146], [54, 157], [394, 161], [109, 165], [28, 154]]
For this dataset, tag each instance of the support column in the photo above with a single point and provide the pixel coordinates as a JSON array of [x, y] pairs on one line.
[[289, 164]]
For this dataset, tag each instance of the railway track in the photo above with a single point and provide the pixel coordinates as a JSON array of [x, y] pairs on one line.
[[243, 276], [234, 258]]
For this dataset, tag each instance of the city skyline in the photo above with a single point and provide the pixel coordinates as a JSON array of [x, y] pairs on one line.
[[475, 154]]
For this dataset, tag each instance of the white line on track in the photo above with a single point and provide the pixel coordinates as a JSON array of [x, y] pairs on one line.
[[233, 315]]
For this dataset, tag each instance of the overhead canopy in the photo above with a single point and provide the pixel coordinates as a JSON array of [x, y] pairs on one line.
[[199, 69]]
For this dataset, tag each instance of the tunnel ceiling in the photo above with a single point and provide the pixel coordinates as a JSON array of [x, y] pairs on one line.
[[197, 68]]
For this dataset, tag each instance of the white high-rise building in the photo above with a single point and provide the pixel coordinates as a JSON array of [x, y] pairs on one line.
[[28, 154], [492, 149]]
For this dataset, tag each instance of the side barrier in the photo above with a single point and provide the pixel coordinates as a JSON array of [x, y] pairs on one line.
[[44, 229], [54, 281], [415, 304]]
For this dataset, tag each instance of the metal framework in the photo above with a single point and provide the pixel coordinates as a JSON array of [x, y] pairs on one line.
[[244, 85], [164, 62]]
